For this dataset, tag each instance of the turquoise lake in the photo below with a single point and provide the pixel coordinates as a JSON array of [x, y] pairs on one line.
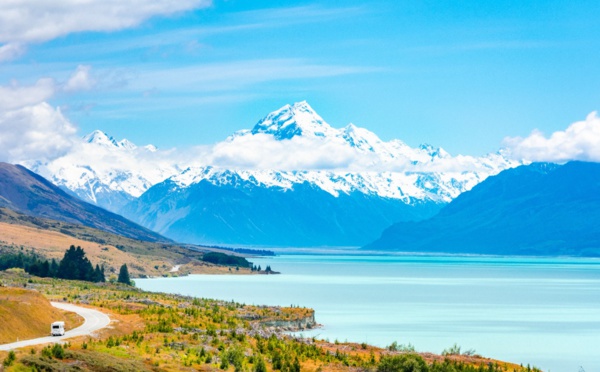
[[539, 311]]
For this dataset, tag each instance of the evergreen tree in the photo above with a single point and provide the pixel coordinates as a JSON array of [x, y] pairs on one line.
[[75, 265], [124, 275], [99, 274], [53, 269], [45, 269]]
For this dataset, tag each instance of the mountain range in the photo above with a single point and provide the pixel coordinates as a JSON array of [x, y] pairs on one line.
[[538, 209], [291, 180], [28, 193]]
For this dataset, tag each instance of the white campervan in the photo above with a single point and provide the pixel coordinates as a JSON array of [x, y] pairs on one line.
[[58, 329]]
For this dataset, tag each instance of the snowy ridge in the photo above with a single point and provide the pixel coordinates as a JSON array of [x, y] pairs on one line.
[[105, 171], [299, 126], [391, 169], [408, 187], [111, 173]]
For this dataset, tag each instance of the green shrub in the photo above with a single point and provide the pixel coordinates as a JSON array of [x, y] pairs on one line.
[[402, 363], [10, 359], [58, 351], [452, 350]]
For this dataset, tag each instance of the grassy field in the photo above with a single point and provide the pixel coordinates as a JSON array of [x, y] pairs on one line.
[[163, 332]]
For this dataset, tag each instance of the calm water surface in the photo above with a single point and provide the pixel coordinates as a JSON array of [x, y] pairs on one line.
[[543, 312]]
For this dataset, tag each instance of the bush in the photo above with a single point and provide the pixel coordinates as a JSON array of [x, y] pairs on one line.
[[260, 365], [453, 350], [402, 363], [58, 352], [10, 359]]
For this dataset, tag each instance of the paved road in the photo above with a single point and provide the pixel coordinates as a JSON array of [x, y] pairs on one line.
[[94, 320]]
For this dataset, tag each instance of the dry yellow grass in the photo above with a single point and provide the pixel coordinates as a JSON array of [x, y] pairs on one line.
[[26, 314], [52, 244]]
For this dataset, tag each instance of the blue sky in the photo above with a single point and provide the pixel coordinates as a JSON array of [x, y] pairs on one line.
[[460, 75]]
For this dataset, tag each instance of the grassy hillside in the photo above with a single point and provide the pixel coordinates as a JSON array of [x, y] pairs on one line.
[[163, 332], [50, 239], [26, 314]]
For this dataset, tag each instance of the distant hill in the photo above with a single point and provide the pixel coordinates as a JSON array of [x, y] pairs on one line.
[[26, 192], [540, 209]]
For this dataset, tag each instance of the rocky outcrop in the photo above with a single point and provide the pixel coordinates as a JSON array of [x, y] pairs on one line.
[[301, 324]]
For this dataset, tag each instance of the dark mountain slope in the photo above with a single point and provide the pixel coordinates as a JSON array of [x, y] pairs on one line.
[[242, 213], [26, 192], [540, 209]]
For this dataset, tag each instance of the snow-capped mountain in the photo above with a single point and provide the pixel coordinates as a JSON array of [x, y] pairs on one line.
[[287, 200], [106, 172], [367, 164], [335, 185]]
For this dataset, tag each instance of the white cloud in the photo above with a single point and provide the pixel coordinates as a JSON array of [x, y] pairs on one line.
[[30, 128], [262, 151], [34, 132], [37, 21], [30, 21], [240, 74], [11, 51], [580, 141], [15, 96], [80, 80]]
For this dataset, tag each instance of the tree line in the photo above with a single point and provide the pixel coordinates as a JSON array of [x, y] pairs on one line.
[[74, 266], [218, 258]]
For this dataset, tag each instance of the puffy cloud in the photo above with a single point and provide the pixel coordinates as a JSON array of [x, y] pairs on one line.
[[37, 21], [263, 151], [16, 96], [80, 80], [580, 141], [34, 132], [30, 128]]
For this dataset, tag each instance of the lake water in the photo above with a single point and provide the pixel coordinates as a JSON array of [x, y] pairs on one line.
[[538, 311]]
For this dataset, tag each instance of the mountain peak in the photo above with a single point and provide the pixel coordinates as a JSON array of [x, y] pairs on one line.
[[99, 137], [289, 121], [127, 144], [434, 152]]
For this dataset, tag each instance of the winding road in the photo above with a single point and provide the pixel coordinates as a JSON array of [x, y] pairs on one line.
[[93, 321]]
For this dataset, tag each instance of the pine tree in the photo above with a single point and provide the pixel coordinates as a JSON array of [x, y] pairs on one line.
[[45, 269], [99, 274], [124, 275], [75, 265], [53, 269]]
